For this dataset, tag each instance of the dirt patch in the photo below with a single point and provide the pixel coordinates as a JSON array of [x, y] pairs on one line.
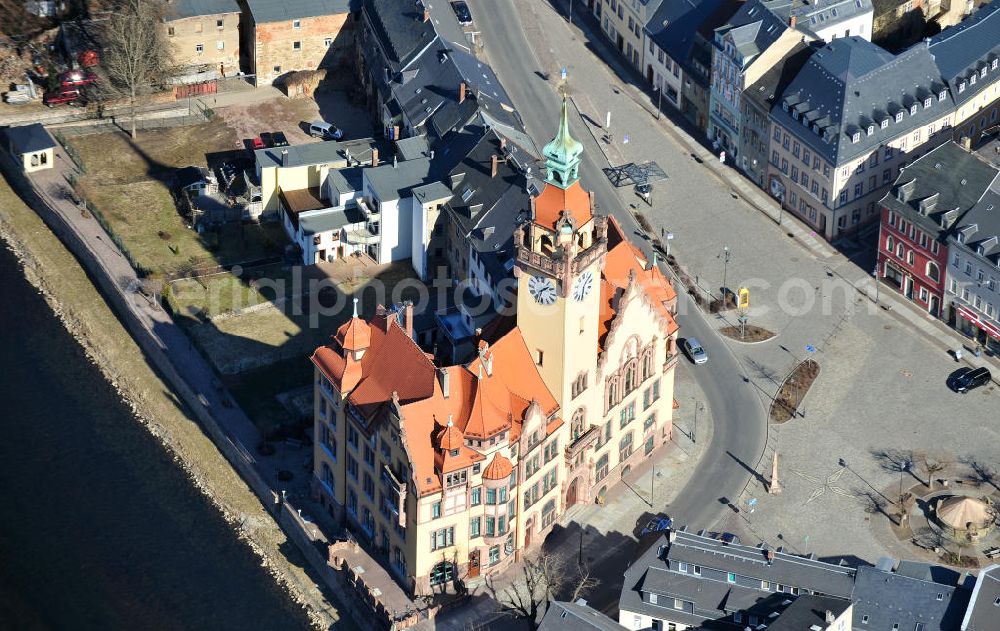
[[750, 333], [281, 114], [793, 391]]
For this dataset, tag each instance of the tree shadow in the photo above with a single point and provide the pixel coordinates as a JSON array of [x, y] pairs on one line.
[[896, 461]]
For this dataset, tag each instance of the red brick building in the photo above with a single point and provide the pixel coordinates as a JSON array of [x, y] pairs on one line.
[[925, 201]]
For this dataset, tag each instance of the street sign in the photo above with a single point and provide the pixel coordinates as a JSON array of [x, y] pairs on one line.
[[562, 73], [743, 298], [810, 348]]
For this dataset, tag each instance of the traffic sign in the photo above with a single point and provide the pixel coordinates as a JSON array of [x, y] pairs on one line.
[[810, 348]]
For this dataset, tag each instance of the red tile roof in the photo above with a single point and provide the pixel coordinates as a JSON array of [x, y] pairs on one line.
[[498, 469], [553, 200]]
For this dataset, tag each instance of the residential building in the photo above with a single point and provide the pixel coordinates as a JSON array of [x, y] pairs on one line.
[[744, 48], [623, 21], [566, 616], [453, 472], [886, 109], [758, 99], [675, 64], [981, 614], [814, 613], [844, 126], [926, 202], [826, 21], [909, 595], [687, 580], [31, 146], [204, 35], [973, 276], [280, 37]]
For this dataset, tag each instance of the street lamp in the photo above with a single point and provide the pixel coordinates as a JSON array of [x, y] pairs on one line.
[[875, 276], [571, 12], [726, 255]]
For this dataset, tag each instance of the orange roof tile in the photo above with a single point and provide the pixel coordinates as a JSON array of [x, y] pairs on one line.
[[498, 469], [450, 437], [553, 200], [355, 334]]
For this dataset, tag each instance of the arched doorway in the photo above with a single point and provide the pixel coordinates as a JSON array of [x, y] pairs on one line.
[[933, 307], [571, 493], [442, 573]]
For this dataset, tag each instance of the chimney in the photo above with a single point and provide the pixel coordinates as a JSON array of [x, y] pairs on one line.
[[591, 202], [770, 556], [394, 162], [432, 154], [792, 21], [374, 157], [461, 92], [284, 157], [493, 165], [966, 143], [427, 15], [830, 618], [672, 536], [395, 132], [445, 382], [408, 318]]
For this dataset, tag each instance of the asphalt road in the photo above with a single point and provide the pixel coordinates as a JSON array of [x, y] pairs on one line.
[[738, 413]]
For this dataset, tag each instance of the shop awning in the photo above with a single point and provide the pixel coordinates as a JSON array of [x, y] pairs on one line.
[[974, 318]]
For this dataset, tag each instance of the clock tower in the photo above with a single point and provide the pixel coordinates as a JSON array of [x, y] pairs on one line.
[[560, 255]]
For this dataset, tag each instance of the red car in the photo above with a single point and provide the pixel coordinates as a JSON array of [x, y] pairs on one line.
[[60, 97], [257, 143], [76, 78]]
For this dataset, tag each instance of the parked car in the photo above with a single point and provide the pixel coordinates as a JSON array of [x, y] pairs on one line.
[[278, 139], [71, 96], [724, 537], [326, 131], [265, 137], [257, 143], [76, 78], [695, 351], [462, 12], [967, 379], [657, 524]]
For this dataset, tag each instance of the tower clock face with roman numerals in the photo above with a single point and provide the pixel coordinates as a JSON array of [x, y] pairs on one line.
[[542, 289], [583, 285]]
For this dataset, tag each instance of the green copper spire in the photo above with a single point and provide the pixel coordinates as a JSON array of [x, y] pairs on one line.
[[562, 154]]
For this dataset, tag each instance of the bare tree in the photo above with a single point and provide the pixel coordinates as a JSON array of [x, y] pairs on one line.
[[982, 473], [932, 465], [136, 54], [542, 578]]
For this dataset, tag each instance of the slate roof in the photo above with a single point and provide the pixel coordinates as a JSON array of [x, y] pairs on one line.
[[982, 612], [329, 219], [980, 227], [753, 28], [945, 183], [281, 10], [29, 138], [850, 85], [566, 616], [390, 181], [818, 15], [882, 599], [180, 9], [675, 24], [772, 83], [399, 28], [808, 611], [967, 48], [328, 151]]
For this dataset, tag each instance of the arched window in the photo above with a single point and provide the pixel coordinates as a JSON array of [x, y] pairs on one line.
[[899, 250], [443, 572], [576, 427], [932, 271], [888, 243], [647, 364], [629, 377], [909, 257], [611, 393]]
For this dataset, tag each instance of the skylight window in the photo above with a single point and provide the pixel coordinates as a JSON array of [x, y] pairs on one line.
[[467, 195]]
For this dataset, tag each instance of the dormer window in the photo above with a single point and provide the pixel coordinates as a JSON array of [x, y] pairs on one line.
[[899, 116], [993, 66], [454, 452], [856, 137], [982, 71], [913, 110], [927, 102], [972, 79], [961, 87], [941, 95], [871, 129], [884, 123]]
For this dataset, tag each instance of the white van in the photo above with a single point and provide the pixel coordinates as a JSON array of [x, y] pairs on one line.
[[326, 131]]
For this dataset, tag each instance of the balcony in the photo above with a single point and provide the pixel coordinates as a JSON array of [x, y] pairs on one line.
[[671, 361], [540, 262], [366, 206], [585, 440]]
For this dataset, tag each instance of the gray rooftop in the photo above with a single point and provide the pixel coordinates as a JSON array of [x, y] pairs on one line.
[[765, 91], [180, 9], [980, 227], [753, 28], [983, 612], [281, 10], [883, 599], [566, 616], [675, 24], [29, 138], [852, 86], [412, 147], [316, 221], [399, 28], [967, 49], [813, 16], [936, 190], [393, 181], [325, 152], [807, 612]]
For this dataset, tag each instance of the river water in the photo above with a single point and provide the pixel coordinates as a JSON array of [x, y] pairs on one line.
[[99, 528]]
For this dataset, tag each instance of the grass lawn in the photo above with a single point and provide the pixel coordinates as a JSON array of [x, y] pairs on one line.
[[210, 296], [129, 184]]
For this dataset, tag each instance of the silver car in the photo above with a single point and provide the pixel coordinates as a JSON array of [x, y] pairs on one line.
[[695, 351]]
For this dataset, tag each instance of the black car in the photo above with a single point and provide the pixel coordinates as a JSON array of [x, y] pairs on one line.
[[267, 138], [967, 379], [279, 140], [462, 13]]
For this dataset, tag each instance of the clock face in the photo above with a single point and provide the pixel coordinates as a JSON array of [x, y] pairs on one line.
[[583, 286], [542, 289]]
